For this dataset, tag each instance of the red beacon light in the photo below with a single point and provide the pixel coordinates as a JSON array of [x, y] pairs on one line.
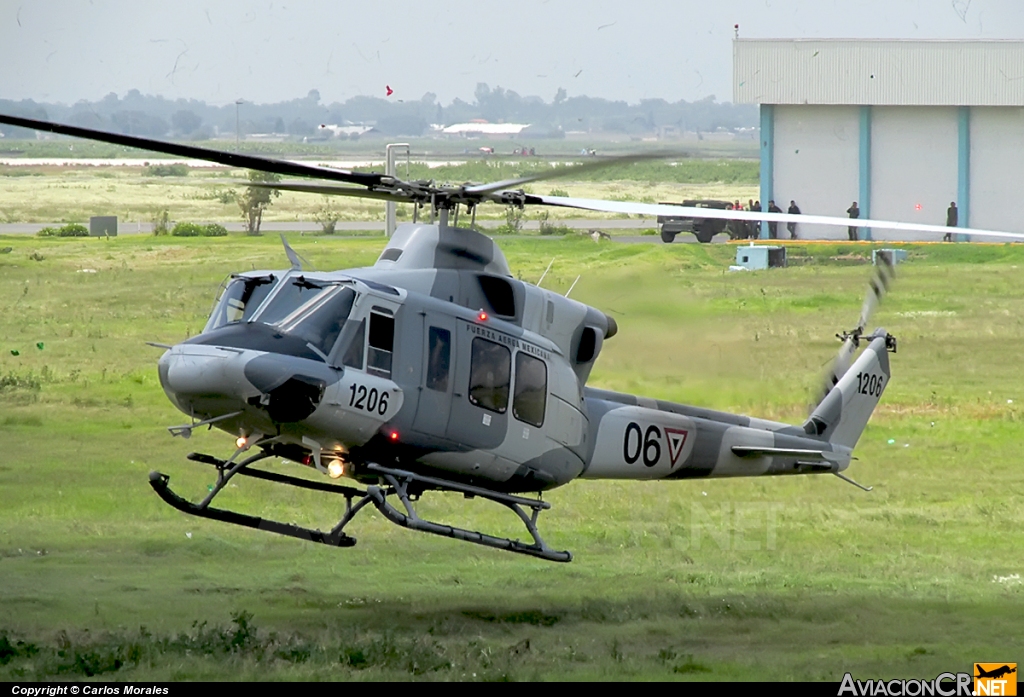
[[917, 207], [482, 316], [393, 436]]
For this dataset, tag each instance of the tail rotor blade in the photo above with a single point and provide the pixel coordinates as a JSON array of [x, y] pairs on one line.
[[878, 286], [881, 279]]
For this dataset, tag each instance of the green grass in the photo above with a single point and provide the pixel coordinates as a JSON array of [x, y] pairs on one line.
[[683, 171], [788, 578], [74, 194]]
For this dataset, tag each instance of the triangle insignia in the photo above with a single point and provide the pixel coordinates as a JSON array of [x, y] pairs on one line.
[[676, 440]]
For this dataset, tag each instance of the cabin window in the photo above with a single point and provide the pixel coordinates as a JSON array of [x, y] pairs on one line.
[[490, 372], [439, 345], [531, 390], [382, 341]]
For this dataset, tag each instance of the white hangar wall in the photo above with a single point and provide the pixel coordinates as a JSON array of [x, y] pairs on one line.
[[914, 154], [816, 156], [901, 127], [997, 168]]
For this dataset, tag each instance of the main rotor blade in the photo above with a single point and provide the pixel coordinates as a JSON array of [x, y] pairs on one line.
[[566, 171], [262, 164], [328, 190], [656, 209]]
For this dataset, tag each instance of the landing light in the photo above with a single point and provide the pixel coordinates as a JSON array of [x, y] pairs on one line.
[[240, 442], [336, 469]]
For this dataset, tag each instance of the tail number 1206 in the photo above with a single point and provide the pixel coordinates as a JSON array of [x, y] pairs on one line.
[[368, 400], [870, 384]]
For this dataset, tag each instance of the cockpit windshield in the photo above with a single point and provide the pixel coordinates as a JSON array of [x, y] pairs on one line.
[[322, 323], [294, 293], [240, 299]]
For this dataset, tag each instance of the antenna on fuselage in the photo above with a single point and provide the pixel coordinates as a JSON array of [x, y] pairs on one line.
[[573, 285], [546, 271], [298, 261]]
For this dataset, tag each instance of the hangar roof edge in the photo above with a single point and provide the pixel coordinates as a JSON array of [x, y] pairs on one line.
[[898, 72]]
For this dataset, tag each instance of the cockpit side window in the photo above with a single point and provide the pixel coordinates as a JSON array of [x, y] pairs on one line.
[[381, 343], [353, 357], [321, 325], [439, 353], [240, 299]]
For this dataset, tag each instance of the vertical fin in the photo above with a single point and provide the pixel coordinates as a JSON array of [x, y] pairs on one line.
[[844, 412]]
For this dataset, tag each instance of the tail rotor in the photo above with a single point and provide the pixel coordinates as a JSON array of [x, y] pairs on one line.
[[881, 279]]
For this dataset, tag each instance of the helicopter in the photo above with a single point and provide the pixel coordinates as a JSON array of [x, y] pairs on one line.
[[436, 370]]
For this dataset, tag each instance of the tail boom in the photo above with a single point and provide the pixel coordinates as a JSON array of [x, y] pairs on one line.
[[639, 438], [643, 442]]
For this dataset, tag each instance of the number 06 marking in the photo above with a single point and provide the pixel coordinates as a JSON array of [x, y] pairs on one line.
[[630, 459], [647, 444]]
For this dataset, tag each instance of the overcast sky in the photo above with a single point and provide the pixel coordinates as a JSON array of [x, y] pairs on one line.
[[223, 50]]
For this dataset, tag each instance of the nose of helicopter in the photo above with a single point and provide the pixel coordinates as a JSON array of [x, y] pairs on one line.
[[204, 379], [212, 381]]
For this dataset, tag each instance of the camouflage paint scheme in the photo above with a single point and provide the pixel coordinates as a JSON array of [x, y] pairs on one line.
[[268, 385]]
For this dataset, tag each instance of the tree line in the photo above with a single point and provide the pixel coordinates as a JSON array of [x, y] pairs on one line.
[[155, 116]]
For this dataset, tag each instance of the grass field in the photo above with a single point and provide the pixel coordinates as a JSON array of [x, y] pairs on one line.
[[776, 579], [73, 194]]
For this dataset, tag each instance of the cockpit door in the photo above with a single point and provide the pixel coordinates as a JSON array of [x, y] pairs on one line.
[[437, 375]]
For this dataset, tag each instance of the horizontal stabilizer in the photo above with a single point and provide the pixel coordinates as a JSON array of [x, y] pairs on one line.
[[758, 451]]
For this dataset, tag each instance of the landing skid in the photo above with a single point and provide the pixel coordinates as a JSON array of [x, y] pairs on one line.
[[392, 485], [399, 483]]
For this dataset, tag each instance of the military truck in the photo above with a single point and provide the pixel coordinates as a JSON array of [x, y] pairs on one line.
[[703, 228]]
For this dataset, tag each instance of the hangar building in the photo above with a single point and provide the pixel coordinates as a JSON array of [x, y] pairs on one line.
[[901, 127]]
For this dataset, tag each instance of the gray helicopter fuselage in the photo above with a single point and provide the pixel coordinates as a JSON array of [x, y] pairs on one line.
[[437, 360]]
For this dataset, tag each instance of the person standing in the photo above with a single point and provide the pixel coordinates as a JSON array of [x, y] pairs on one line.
[[773, 226], [791, 226], [952, 218], [853, 212]]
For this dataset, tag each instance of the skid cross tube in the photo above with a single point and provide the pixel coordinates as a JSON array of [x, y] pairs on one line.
[[346, 491], [224, 474], [398, 483]]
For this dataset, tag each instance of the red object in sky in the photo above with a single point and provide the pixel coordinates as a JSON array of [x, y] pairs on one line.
[[390, 91]]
